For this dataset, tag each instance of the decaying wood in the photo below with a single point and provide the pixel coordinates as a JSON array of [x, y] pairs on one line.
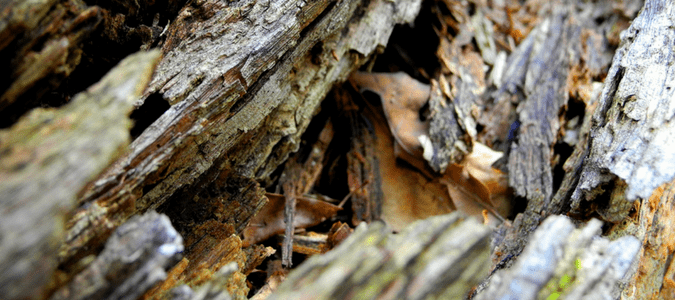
[[450, 135], [243, 79], [47, 159], [621, 166], [443, 257], [539, 76], [632, 133], [530, 170], [214, 265], [241, 96], [46, 37], [617, 137], [567, 263], [134, 259], [653, 225], [440, 257], [363, 176]]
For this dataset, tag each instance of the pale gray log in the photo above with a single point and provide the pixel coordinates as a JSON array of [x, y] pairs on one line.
[[134, 259], [530, 170], [633, 128], [594, 267], [47, 159], [440, 257]]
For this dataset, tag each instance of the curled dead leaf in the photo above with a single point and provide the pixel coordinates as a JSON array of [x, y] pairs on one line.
[[402, 99], [475, 186], [270, 220]]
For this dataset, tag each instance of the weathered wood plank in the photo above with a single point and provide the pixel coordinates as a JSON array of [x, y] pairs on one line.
[[654, 225], [440, 257], [47, 159], [633, 127], [135, 258], [563, 57], [41, 43], [562, 261], [244, 80]]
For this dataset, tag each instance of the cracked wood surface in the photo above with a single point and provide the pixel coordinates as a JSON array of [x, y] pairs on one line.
[[633, 128], [42, 170], [244, 81]]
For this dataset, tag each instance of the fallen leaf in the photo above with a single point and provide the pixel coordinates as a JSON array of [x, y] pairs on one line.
[[474, 186], [471, 186], [337, 233], [408, 194], [270, 220], [402, 99]]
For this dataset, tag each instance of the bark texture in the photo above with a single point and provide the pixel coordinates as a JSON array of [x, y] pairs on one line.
[[440, 257], [235, 86], [566, 263], [241, 98], [134, 259], [242, 80], [632, 128], [48, 158]]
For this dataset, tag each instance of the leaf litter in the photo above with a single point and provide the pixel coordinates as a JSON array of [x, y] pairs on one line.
[[417, 138]]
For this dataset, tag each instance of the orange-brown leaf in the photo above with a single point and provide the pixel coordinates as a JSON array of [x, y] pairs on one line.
[[270, 220], [402, 98], [475, 186]]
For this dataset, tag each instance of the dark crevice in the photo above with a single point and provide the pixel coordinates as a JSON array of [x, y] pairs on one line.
[[519, 206], [564, 151], [613, 87], [575, 108], [310, 28], [316, 52], [148, 188], [153, 108], [412, 49]]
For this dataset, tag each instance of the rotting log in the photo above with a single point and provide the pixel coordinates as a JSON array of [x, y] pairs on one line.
[[444, 257], [619, 169], [47, 159], [440, 257], [566, 263], [244, 79], [41, 44], [624, 168], [241, 95], [559, 65], [134, 259]]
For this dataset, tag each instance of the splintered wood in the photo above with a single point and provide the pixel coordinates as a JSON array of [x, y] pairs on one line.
[[284, 149]]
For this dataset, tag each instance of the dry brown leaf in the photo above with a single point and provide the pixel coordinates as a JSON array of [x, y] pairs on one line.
[[337, 233], [475, 186], [270, 220], [402, 99], [408, 195]]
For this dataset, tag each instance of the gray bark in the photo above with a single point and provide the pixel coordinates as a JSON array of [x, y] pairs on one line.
[[244, 79], [48, 158]]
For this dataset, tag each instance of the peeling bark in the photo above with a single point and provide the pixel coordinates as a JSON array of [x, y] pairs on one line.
[[439, 257], [42, 170], [241, 82], [241, 97]]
